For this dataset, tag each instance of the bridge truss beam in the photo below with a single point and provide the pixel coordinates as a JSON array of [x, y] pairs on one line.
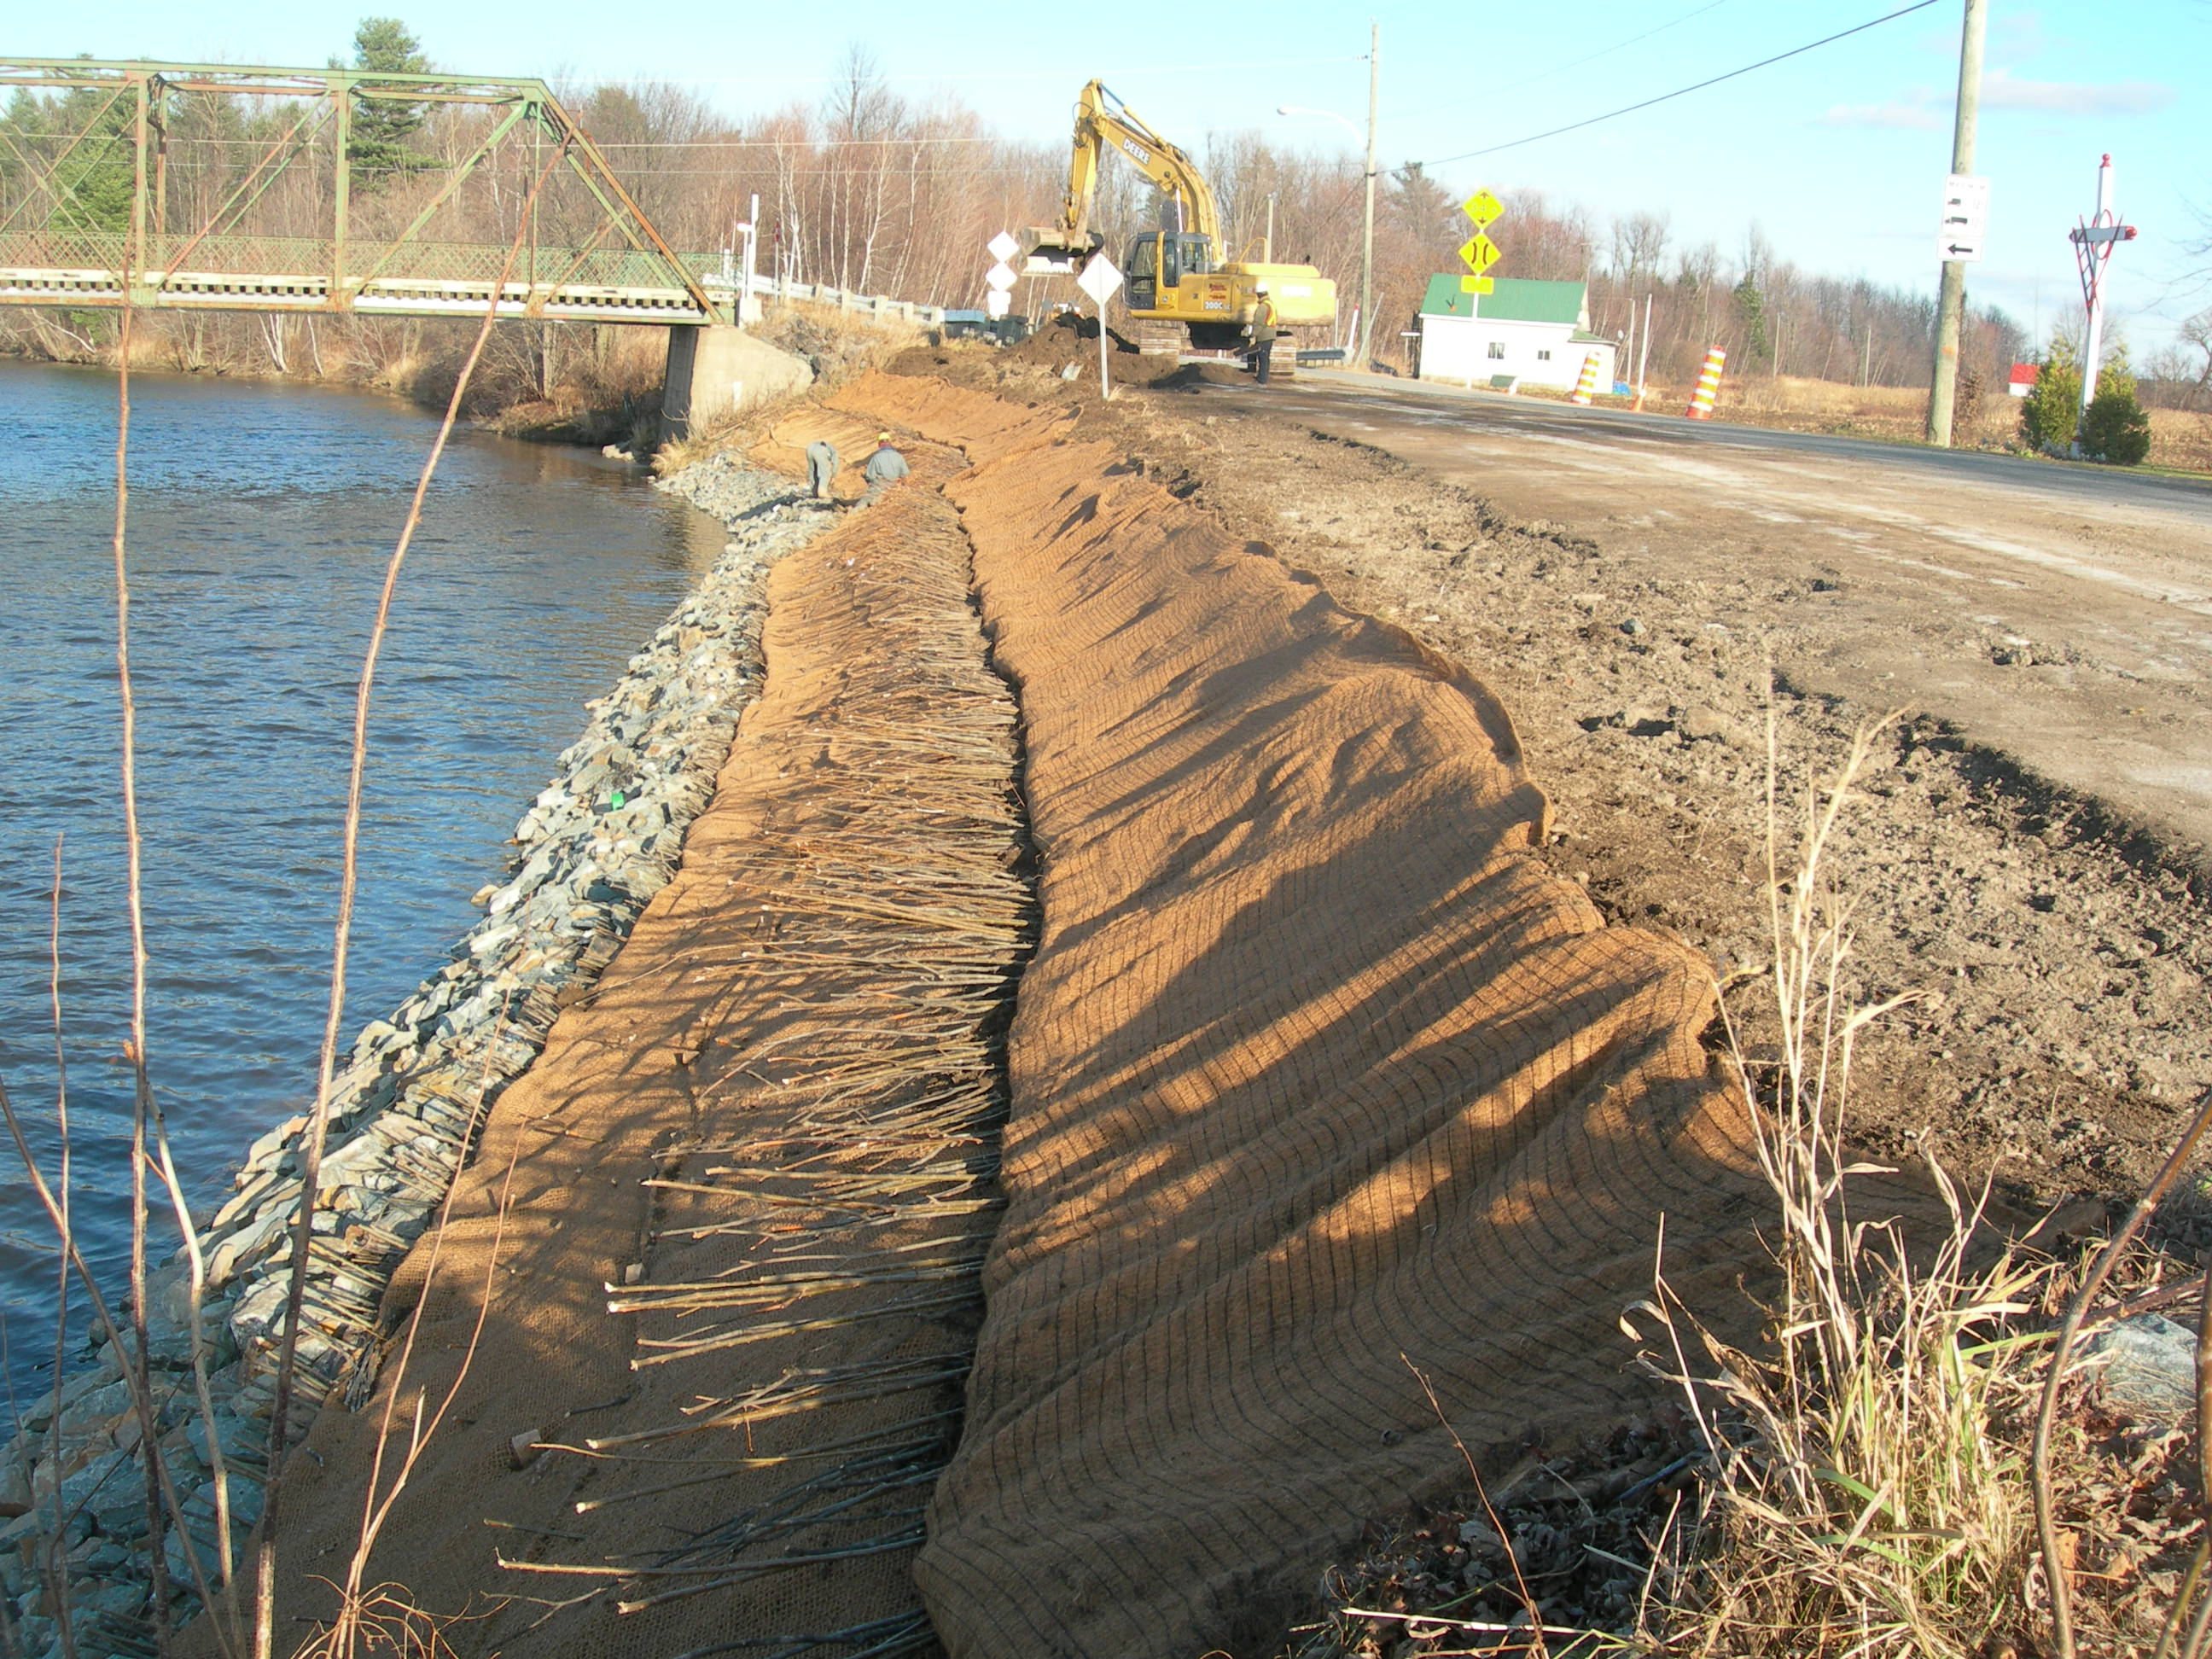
[[64, 242]]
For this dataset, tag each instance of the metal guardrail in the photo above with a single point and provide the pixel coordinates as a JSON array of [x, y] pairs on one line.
[[718, 281]]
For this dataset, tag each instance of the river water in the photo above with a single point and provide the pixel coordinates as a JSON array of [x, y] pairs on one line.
[[261, 518]]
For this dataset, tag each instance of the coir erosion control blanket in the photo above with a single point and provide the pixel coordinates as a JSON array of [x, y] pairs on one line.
[[1320, 1077]]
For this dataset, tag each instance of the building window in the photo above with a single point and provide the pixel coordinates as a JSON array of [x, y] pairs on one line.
[[1543, 357], [1497, 348]]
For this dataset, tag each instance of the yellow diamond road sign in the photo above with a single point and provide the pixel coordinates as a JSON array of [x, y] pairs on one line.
[[1479, 253], [1482, 207], [1478, 284]]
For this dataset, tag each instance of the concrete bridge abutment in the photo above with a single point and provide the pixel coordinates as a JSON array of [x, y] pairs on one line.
[[717, 370]]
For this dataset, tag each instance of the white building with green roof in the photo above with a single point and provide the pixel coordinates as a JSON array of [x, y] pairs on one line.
[[1521, 333]]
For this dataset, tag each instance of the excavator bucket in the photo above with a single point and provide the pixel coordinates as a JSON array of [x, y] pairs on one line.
[[1051, 250]]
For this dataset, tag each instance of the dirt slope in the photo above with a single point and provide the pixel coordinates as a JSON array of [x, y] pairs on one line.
[[2060, 949]]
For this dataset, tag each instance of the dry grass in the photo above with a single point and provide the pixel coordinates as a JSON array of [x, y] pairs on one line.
[[1866, 1495], [2181, 438]]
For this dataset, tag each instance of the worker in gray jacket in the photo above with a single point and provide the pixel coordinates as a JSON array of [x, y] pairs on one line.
[[821, 467], [885, 468]]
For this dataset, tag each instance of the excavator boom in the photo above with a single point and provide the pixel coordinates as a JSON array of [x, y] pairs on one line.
[[1101, 119]]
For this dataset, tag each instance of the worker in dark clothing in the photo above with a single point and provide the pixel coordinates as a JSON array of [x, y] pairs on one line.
[[885, 468], [1263, 337], [821, 467]]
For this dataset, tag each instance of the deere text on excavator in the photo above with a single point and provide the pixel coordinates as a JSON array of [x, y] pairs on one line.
[[1182, 275]]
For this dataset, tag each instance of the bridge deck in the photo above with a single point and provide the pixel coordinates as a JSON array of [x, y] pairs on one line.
[[220, 290]]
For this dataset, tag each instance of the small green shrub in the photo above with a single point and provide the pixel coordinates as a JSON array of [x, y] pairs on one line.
[[2050, 415], [2116, 429], [2053, 404]]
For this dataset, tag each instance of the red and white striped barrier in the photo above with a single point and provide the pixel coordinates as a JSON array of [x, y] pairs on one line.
[[1709, 386], [1586, 387]]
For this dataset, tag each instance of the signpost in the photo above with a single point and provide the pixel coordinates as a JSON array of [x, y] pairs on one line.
[[1000, 277], [1479, 253], [1101, 280], [1965, 218]]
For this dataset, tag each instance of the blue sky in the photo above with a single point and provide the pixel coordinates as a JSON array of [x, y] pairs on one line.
[[1839, 154]]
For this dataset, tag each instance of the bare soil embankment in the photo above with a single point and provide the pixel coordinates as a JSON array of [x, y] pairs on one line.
[[2063, 952], [1324, 1081]]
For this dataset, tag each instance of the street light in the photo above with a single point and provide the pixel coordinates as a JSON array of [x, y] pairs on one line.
[[1367, 234]]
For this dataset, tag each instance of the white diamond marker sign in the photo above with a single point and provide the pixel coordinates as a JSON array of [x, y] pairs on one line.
[[1003, 247], [1100, 279], [1000, 278], [996, 304]]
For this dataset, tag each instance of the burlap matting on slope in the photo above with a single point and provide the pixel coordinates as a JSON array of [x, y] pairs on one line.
[[1319, 1076]]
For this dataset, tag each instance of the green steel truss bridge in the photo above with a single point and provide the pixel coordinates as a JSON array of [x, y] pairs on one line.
[[218, 187]]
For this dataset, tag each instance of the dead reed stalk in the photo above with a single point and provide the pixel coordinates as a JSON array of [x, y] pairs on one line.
[[1862, 1497], [318, 1130]]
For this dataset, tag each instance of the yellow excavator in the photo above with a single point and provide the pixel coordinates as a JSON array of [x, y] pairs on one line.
[[1179, 276]]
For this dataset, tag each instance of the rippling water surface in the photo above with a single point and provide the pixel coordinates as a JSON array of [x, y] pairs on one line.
[[261, 518]]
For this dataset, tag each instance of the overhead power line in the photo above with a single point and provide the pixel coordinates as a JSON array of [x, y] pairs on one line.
[[1683, 92], [1572, 63]]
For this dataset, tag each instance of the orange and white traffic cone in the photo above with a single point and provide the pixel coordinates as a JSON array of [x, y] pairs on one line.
[[1586, 387], [1709, 386]]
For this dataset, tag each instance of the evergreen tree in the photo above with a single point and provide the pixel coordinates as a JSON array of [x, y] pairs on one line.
[[378, 146], [2116, 428], [92, 182], [2051, 412], [1751, 311], [2053, 404]]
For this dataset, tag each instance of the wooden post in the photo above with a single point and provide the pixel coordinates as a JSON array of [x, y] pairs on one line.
[[1951, 306], [1105, 380]]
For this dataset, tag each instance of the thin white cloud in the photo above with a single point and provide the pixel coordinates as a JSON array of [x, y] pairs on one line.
[[2018, 37], [2002, 89], [1922, 109], [1917, 117]]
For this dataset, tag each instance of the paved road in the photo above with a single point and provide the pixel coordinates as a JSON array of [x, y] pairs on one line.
[[2062, 614], [1326, 394]]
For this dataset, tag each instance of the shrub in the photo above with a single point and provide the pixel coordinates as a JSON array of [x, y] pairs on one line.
[[2053, 404], [2116, 429]]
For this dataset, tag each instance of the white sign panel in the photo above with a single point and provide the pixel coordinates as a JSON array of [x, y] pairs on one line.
[[1100, 279], [1966, 217], [996, 304], [1003, 247], [1000, 278]]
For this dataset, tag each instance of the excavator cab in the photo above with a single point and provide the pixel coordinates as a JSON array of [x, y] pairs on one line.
[[1160, 259]]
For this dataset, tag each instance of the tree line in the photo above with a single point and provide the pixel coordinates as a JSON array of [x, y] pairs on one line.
[[866, 188]]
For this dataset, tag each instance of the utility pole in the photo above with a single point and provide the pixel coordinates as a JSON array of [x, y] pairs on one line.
[[1943, 395], [1367, 235]]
